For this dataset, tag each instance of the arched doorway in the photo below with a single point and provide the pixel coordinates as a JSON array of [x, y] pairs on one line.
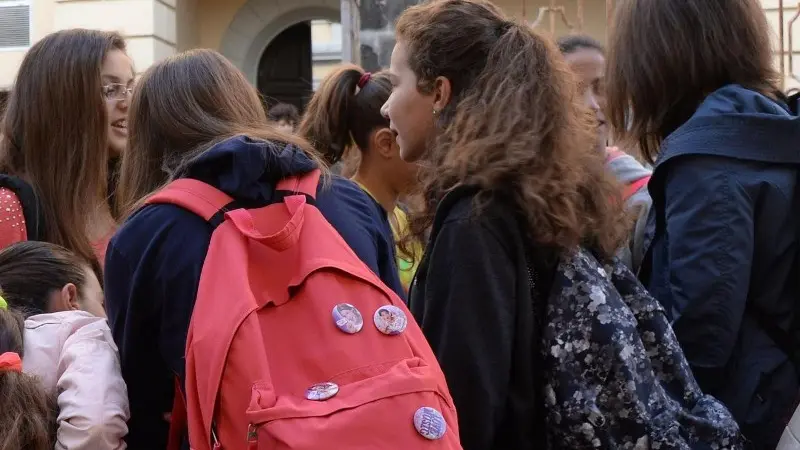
[[259, 22], [285, 70]]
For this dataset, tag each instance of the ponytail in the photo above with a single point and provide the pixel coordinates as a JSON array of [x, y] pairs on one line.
[[28, 414], [344, 111]]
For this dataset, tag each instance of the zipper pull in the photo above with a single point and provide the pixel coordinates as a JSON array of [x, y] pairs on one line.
[[216, 444], [252, 437]]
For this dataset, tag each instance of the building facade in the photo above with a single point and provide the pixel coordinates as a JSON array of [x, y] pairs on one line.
[[283, 46]]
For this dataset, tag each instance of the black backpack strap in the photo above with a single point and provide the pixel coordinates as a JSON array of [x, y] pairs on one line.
[[31, 205], [793, 101]]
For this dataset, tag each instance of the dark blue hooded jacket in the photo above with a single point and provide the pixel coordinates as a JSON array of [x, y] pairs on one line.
[[153, 266], [722, 251]]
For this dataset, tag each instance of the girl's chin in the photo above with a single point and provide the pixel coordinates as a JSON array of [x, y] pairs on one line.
[[116, 149]]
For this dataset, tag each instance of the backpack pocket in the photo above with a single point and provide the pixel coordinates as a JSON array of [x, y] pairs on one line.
[[373, 413]]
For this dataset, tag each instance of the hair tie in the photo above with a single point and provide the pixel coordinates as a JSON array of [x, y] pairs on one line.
[[10, 362], [3, 303], [364, 80]]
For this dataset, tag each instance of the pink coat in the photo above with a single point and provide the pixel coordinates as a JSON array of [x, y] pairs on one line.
[[74, 356]]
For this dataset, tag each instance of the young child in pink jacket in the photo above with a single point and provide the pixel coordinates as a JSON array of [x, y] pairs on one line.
[[68, 346]]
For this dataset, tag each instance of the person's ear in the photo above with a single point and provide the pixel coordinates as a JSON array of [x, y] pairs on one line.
[[68, 297], [383, 143], [442, 93]]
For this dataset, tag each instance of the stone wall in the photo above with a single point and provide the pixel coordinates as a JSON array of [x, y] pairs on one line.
[[377, 31]]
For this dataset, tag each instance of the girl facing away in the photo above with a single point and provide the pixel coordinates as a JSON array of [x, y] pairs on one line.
[[511, 177], [71, 375], [66, 120], [196, 116], [722, 232], [344, 115]]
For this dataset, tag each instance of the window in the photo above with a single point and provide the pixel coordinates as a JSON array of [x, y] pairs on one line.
[[15, 25]]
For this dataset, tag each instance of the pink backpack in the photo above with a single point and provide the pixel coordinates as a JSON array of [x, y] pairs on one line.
[[295, 344]]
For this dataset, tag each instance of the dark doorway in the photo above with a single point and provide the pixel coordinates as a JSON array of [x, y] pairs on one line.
[[284, 72]]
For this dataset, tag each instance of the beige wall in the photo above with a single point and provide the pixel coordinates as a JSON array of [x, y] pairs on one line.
[[42, 12], [213, 18], [594, 13], [149, 27]]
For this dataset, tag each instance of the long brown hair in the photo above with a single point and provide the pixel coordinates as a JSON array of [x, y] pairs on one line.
[[665, 57], [515, 124], [54, 134], [181, 108], [28, 415], [341, 115]]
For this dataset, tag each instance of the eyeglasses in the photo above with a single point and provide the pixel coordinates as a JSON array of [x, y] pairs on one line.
[[116, 91]]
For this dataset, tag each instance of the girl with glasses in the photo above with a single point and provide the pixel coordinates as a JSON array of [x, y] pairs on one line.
[[66, 121]]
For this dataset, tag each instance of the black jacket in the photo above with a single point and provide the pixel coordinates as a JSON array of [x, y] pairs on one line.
[[472, 297]]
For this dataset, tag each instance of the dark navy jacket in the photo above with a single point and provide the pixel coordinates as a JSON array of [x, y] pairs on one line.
[[154, 261], [722, 243]]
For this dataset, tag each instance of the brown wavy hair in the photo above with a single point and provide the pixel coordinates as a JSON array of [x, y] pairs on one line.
[[28, 415], [54, 132], [183, 106], [659, 74], [514, 125]]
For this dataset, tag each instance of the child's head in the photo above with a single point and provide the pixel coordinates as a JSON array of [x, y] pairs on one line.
[[284, 116], [345, 113], [38, 277], [28, 414]]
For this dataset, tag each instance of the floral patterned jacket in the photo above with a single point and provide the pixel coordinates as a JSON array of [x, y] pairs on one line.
[[616, 377]]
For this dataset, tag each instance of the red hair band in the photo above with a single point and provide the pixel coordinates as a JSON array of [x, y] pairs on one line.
[[364, 80], [10, 362]]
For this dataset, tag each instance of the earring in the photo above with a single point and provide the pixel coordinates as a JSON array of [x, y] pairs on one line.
[[435, 112]]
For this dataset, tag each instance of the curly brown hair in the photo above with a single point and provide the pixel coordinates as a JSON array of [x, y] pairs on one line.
[[514, 125]]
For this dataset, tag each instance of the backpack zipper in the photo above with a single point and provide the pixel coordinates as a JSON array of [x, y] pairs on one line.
[[252, 437]]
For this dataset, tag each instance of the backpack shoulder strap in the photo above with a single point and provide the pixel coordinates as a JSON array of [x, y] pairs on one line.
[[31, 205], [211, 204], [200, 198], [306, 183]]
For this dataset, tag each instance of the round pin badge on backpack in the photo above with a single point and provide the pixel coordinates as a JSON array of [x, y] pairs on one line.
[[390, 320], [430, 423], [322, 391], [347, 318]]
